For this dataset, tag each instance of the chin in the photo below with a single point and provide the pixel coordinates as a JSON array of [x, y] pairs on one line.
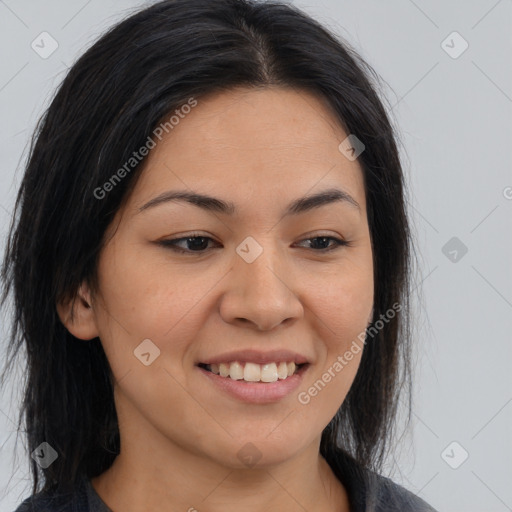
[[248, 452]]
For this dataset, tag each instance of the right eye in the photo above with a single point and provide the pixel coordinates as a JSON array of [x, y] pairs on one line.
[[194, 244]]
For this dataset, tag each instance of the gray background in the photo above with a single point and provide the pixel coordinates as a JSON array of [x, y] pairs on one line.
[[454, 115]]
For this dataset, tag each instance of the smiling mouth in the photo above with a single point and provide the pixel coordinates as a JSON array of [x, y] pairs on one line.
[[253, 372]]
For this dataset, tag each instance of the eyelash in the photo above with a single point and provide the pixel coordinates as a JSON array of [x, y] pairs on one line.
[[171, 244]]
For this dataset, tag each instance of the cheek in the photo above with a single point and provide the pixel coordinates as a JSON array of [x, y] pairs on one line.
[[141, 293], [341, 316], [342, 302], [144, 298]]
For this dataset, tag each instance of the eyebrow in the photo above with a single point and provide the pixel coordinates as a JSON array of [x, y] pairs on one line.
[[213, 204]]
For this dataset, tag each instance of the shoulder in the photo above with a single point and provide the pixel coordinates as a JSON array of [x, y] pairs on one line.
[[47, 502], [53, 501], [370, 492], [385, 495]]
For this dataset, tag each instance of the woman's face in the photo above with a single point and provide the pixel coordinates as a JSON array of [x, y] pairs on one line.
[[259, 285]]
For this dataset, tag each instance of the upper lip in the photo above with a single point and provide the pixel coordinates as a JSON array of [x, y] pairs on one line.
[[257, 356]]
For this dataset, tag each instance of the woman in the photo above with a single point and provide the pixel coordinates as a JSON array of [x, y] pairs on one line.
[[210, 269]]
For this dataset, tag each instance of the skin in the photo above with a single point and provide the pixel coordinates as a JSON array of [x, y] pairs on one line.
[[261, 149]]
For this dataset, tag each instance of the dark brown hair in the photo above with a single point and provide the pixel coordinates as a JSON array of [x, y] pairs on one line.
[[109, 103]]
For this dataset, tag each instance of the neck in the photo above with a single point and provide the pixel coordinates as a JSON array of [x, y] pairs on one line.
[[142, 478]]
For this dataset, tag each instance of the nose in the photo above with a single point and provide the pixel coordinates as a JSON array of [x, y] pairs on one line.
[[261, 293]]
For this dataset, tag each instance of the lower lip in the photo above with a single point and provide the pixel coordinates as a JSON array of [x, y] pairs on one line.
[[256, 392]]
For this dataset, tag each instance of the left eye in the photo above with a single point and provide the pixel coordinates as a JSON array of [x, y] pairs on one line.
[[325, 240], [198, 244]]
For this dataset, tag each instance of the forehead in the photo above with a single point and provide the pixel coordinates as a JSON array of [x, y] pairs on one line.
[[257, 146]]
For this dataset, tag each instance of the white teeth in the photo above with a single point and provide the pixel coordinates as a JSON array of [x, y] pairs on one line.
[[269, 372], [236, 371], [253, 372], [282, 370], [224, 370]]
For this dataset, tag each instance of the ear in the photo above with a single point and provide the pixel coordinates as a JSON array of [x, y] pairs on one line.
[[78, 315]]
